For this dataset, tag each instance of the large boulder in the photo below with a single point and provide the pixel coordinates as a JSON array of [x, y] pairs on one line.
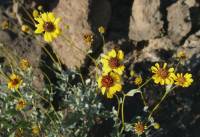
[[145, 22], [179, 21], [78, 16]]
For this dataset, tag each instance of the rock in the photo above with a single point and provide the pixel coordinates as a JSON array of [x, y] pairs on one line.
[[76, 13], [145, 22], [179, 21], [191, 3], [155, 46]]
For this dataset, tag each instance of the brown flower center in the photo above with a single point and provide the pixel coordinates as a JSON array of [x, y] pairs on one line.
[[114, 63], [181, 80], [107, 81], [139, 128], [163, 73], [49, 26], [21, 103], [15, 81]]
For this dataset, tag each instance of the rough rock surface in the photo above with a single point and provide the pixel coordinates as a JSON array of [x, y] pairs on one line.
[[145, 22], [75, 13], [179, 21], [155, 46]]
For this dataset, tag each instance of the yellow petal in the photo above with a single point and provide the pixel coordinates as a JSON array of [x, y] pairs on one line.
[[112, 53], [48, 37], [120, 55], [51, 17], [157, 65], [165, 65], [45, 17], [103, 90]]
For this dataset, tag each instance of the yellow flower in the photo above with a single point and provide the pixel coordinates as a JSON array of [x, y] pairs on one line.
[[156, 125], [101, 30], [5, 25], [110, 84], [35, 13], [49, 25], [14, 82], [183, 80], [35, 129], [25, 28], [181, 55], [138, 80], [162, 75], [21, 104], [88, 38], [24, 64], [40, 7], [113, 62], [139, 128]]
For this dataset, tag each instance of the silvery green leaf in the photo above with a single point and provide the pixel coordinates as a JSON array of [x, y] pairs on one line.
[[132, 92]]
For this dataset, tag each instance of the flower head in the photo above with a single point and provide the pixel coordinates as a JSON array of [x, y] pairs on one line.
[[49, 25], [112, 61], [110, 84], [35, 13], [21, 104], [139, 128], [24, 64], [183, 80], [14, 82], [101, 30], [35, 129], [88, 38], [181, 55], [5, 25], [162, 75], [138, 80], [25, 28]]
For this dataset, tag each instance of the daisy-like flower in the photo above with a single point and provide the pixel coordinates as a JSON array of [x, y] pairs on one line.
[[35, 129], [24, 64], [14, 82], [139, 128], [162, 75], [112, 61], [183, 80], [88, 38], [181, 55], [49, 25], [21, 104], [110, 83]]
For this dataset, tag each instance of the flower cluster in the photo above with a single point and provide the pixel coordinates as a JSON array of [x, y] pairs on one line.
[[167, 76], [110, 81]]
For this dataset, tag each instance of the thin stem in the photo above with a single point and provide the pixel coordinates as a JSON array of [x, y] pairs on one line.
[[48, 103], [118, 105], [157, 106], [73, 45], [122, 112], [143, 99], [28, 14], [49, 54], [146, 82]]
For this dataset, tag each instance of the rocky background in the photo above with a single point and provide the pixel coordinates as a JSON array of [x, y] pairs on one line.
[[147, 30]]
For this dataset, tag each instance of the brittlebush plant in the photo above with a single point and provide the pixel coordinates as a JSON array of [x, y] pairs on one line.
[[28, 111]]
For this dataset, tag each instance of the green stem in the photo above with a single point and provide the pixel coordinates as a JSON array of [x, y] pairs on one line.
[[157, 105], [146, 82], [119, 104], [122, 112]]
